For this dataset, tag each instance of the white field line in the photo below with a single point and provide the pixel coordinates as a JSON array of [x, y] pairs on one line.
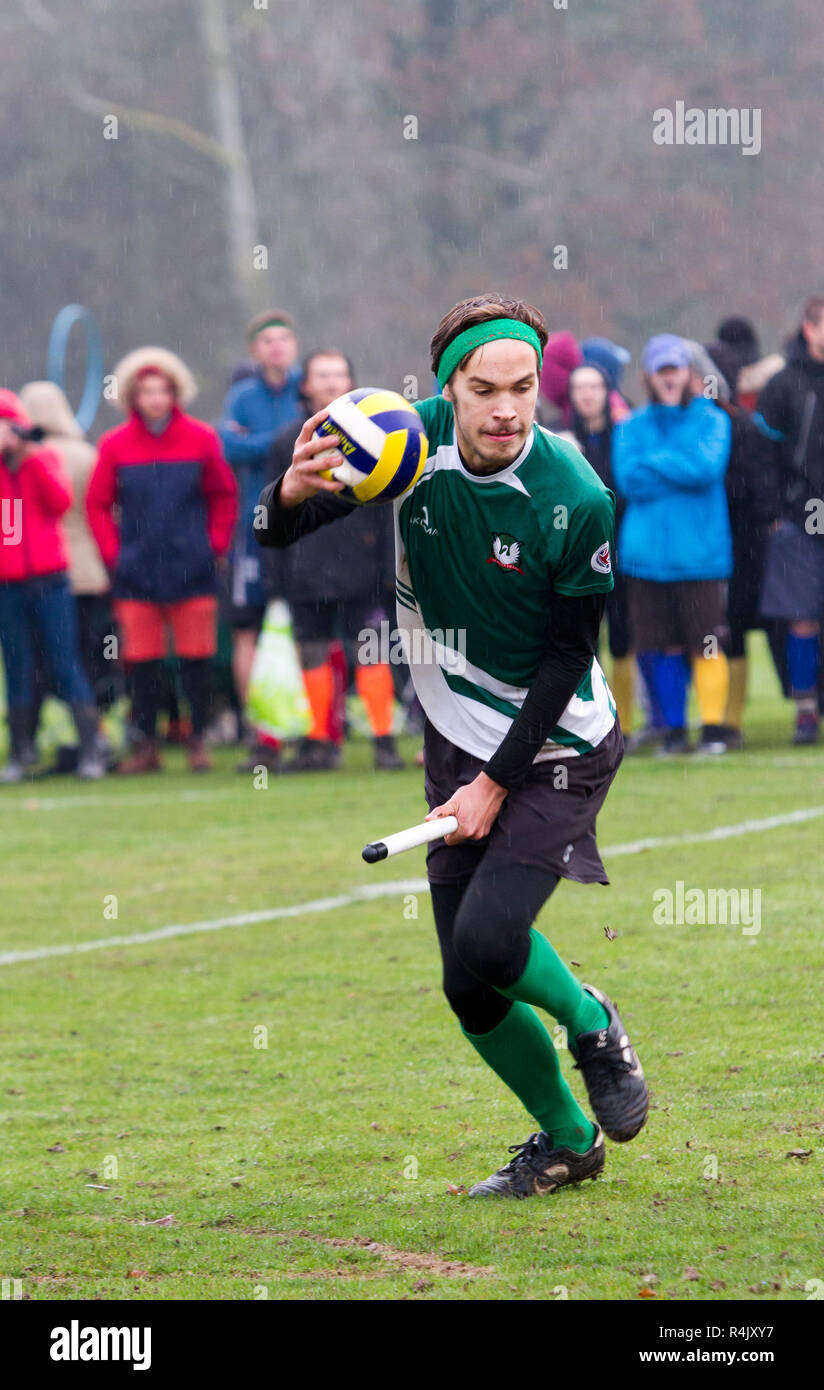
[[243, 919], [382, 890], [33, 802], [721, 832]]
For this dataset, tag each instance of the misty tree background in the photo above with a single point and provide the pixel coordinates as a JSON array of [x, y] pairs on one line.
[[285, 127]]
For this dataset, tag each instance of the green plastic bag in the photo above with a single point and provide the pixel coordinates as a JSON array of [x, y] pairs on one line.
[[276, 701]]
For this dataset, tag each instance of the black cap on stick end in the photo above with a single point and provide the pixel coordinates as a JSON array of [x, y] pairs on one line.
[[372, 853]]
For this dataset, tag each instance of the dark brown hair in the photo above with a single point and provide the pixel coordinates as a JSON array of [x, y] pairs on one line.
[[480, 309], [814, 308], [325, 352]]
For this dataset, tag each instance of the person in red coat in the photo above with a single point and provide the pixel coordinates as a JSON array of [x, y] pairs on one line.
[[176, 501], [36, 603]]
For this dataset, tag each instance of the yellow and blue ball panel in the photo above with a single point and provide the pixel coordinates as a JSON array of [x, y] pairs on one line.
[[382, 438]]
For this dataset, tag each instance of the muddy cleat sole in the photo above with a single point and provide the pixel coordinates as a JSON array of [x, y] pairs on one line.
[[612, 1074], [538, 1168]]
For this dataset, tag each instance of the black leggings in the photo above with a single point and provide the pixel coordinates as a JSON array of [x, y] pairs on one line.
[[483, 927], [150, 689]]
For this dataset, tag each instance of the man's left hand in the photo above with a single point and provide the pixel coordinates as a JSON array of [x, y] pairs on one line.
[[476, 807]]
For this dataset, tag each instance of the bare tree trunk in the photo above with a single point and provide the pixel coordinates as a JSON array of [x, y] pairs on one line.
[[440, 206], [239, 191]]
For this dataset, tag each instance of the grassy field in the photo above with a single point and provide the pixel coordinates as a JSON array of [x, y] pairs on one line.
[[286, 1108]]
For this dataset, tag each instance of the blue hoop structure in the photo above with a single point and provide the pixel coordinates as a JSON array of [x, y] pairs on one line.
[[63, 324]]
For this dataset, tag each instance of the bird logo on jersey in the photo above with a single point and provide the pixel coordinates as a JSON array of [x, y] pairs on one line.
[[506, 552], [601, 561]]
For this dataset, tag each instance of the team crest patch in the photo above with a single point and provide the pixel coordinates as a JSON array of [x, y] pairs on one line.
[[601, 561], [506, 552]]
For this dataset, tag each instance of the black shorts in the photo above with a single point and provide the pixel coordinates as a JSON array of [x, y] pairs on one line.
[[542, 823], [794, 575], [329, 620], [679, 613], [247, 617]]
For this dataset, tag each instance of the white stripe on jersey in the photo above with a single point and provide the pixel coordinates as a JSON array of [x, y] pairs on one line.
[[446, 457]]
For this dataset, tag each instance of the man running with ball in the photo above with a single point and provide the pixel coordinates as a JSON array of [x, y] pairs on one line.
[[505, 539]]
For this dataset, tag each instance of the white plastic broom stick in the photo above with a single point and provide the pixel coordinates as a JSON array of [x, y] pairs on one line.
[[409, 839]]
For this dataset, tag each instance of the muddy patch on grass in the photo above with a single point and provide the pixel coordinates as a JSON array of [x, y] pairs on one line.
[[409, 1259], [400, 1259]]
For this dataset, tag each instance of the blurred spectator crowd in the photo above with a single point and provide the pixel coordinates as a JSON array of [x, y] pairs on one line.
[[133, 591]]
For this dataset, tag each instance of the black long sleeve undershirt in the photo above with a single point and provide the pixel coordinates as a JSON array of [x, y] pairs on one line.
[[285, 525], [572, 639]]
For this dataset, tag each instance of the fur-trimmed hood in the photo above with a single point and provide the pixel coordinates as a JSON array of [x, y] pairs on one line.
[[47, 406], [165, 361]]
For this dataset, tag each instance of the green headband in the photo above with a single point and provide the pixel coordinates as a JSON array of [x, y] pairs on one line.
[[481, 333], [274, 322]]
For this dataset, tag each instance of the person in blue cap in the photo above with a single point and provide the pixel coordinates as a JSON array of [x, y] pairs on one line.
[[669, 461], [611, 359]]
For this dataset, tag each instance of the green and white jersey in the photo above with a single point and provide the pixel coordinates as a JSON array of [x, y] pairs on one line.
[[477, 561]]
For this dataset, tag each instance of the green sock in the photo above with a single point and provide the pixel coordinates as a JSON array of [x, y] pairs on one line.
[[548, 984], [521, 1052]]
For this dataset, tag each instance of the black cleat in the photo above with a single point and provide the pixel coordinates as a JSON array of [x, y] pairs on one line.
[[315, 755], [261, 755], [612, 1074], [539, 1168], [713, 741], [387, 757], [674, 744], [806, 729]]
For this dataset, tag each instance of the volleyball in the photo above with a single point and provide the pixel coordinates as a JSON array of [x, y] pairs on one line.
[[383, 443]]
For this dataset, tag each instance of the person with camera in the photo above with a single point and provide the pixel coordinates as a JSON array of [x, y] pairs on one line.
[[37, 607]]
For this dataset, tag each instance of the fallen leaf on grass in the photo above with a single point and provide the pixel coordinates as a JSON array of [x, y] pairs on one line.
[[575, 962], [98, 1186], [610, 934], [675, 1054], [646, 1292], [56, 1149], [161, 1221], [137, 1273], [456, 1191], [691, 1273], [802, 1154]]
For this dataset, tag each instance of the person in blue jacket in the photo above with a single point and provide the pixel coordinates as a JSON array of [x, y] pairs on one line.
[[669, 461], [256, 409]]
